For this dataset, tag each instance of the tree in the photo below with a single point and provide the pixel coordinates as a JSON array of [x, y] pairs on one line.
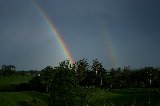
[[98, 69], [8, 70], [127, 76], [62, 86], [80, 68], [47, 75], [117, 78], [1, 72], [36, 84]]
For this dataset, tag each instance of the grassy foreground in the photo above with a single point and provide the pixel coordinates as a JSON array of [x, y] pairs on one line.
[[125, 97], [116, 97], [27, 98], [21, 98]]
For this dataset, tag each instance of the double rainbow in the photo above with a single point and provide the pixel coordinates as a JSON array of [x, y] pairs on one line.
[[61, 42]]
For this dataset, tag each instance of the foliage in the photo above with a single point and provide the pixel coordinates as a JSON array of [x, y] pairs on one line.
[[79, 84], [69, 85], [80, 68], [34, 102], [7, 70], [99, 71], [36, 84], [61, 91], [47, 75]]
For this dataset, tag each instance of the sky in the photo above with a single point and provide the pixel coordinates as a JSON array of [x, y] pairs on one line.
[[116, 32]]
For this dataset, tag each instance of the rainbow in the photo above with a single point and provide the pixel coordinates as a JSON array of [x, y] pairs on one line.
[[110, 52], [109, 46], [55, 32]]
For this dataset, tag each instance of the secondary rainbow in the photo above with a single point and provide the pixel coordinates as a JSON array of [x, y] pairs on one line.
[[54, 30], [111, 53]]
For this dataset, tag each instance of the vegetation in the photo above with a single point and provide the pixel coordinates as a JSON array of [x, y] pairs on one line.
[[125, 97], [14, 79], [23, 99], [80, 84], [7, 70]]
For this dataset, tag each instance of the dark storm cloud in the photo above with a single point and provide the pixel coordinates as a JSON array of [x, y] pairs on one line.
[[25, 40], [130, 26]]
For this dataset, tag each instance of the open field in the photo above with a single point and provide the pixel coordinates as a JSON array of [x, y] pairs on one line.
[[127, 97], [29, 98], [117, 97], [15, 98], [14, 79]]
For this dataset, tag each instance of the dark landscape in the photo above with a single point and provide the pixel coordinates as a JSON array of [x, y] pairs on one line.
[[80, 84]]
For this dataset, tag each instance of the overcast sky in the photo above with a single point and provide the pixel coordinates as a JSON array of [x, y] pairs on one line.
[[123, 32]]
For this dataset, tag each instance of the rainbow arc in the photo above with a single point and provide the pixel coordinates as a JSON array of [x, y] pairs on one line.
[[55, 32]]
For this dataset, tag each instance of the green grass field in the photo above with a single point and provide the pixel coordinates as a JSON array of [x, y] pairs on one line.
[[125, 97], [117, 97], [13, 98], [14, 79], [20, 98]]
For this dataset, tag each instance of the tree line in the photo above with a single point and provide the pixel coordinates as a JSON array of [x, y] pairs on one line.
[[96, 75], [70, 85]]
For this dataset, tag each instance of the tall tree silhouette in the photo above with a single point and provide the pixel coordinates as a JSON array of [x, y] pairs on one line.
[[62, 85], [98, 69], [80, 68], [47, 75]]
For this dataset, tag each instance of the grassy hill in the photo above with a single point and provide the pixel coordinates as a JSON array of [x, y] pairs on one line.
[[26, 98], [23, 99], [125, 97], [14, 79]]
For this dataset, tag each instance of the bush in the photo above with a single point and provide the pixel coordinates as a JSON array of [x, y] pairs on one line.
[[34, 102], [36, 84], [8, 88], [23, 87]]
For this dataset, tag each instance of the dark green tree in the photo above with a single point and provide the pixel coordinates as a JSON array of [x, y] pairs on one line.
[[47, 75], [127, 76], [62, 86], [37, 85], [99, 71], [8, 70], [117, 78], [80, 68]]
